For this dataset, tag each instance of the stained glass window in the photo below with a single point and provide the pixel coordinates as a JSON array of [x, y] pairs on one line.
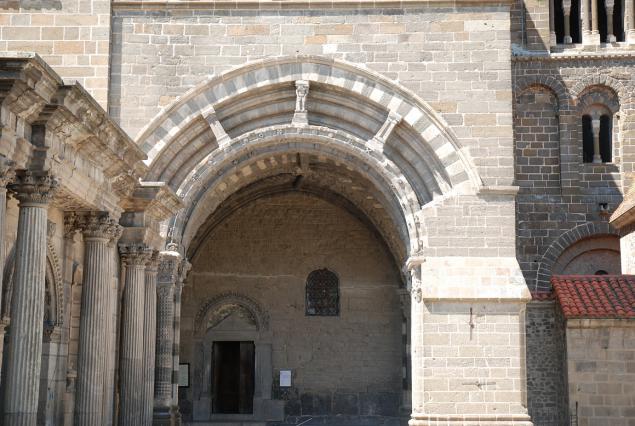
[[322, 293]]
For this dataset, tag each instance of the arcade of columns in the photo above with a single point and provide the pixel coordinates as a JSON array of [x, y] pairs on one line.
[[590, 21], [44, 168]]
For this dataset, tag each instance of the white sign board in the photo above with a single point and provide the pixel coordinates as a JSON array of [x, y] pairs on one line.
[[285, 378]]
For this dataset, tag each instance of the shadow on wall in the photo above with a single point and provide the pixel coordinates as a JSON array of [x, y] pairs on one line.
[[30, 5]]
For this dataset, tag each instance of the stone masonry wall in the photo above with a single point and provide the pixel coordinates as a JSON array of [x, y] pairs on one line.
[[546, 390], [72, 36], [561, 197], [457, 60], [601, 371], [349, 364]]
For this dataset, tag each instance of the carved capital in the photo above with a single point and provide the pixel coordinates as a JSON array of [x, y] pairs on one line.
[[97, 225], [33, 187], [168, 268], [135, 254], [7, 171], [153, 263]]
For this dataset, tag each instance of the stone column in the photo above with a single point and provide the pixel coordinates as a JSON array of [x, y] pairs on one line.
[[97, 229], [111, 321], [176, 349], [595, 33], [595, 125], [149, 337], [629, 20], [609, 5], [552, 24], [167, 276], [6, 176], [33, 190], [566, 10], [584, 15], [131, 374]]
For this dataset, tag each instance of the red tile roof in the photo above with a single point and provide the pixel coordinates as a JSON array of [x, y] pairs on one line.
[[595, 296]]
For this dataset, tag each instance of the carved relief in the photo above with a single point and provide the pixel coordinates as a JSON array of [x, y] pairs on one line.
[[220, 307], [34, 187]]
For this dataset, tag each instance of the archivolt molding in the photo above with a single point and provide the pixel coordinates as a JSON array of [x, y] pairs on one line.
[[584, 83], [215, 305], [208, 182], [546, 82], [343, 77], [55, 279], [53, 275], [568, 238]]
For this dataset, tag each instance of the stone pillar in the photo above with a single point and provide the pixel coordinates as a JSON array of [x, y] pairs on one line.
[[97, 229], [468, 348], [149, 337], [584, 18], [176, 349], [131, 373], [167, 276], [6, 176], [595, 32], [566, 10], [33, 190], [552, 24], [629, 20], [609, 5], [111, 335], [595, 125]]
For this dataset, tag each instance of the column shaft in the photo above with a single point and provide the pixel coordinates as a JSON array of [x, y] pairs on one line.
[[552, 23], [566, 11], [111, 321], [167, 276], [6, 175], [594, 17], [24, 354], [177, 342], [131, 351], [584, 14], [149, 338], [93, 330]]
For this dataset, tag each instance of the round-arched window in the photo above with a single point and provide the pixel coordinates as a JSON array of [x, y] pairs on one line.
[[322, 293]]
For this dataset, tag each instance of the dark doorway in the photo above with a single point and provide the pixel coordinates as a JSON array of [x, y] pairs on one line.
[[233, 365]]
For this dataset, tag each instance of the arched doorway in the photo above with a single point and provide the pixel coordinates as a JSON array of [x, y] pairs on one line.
[[290, 166]]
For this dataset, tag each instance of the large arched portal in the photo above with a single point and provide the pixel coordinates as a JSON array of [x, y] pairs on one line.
[[305, 167]]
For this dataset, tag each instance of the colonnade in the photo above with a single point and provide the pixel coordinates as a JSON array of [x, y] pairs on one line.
[[147, 312], [589, 20]]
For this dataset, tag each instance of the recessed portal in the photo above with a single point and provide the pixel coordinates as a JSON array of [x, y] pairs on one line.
[[233, 364]]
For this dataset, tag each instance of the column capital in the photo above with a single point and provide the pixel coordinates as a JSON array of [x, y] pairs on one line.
[[34, 187], [7, 171], [135, 254], [97, 225], [153, 263]]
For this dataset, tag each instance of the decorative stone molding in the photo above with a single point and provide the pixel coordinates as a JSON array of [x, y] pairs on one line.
[[560, 244], [97, 225], [380, 138], [33, 187], [54, 274], [209, 308], [7, 172], [135, 254], [169, 263]]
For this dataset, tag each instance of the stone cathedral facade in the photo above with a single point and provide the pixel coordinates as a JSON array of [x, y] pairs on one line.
[[334, 212]]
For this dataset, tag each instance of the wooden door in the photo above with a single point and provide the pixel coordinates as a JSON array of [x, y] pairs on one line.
[[234, 374]]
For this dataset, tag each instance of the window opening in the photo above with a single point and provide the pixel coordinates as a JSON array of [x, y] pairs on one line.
[[596, 139], [567, 21], [322, 293]]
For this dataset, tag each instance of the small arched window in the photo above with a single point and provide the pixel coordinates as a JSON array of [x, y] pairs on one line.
[[322, 293], [597, 138]]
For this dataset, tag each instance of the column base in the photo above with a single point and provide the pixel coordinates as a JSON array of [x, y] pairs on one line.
[[470, 420], [630, 36], [164, 416]]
